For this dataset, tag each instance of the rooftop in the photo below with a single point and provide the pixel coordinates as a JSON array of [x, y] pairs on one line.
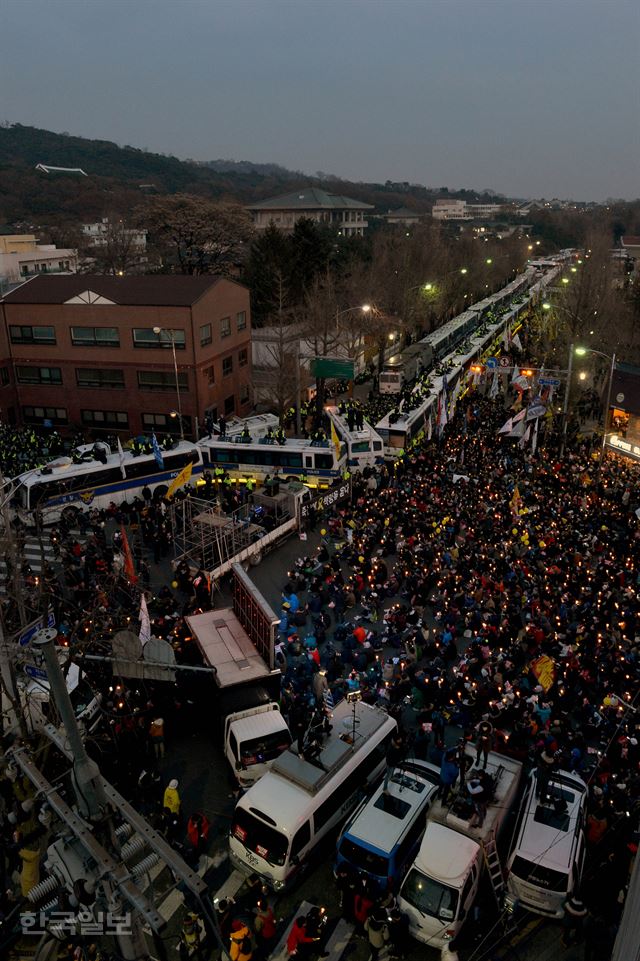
[[630, 241], [172, 290], [310, 198]]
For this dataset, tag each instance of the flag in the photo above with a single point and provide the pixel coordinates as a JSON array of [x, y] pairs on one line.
[[495, 386], [518, 417], [454, 399], [429, 426], [515, 340], [515, 373], [401, 406], [157, 453], [525, 437], [145, 623], [506, 338], [182, 478], [520, 383], [335, 440], [442, 406], [507, 427], [518, 429], [515, 501], [534, 439], [129, 569], [120, 452]]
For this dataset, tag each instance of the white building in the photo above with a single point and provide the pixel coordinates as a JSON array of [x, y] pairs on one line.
[[102, 232], [34, 258], [461, 210]]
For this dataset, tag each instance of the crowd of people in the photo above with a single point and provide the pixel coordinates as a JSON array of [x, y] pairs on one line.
[[435, 592]]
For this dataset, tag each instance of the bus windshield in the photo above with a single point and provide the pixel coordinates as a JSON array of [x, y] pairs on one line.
[[430, 897], [256, 836]]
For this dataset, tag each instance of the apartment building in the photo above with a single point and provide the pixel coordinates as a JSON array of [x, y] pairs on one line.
[[461, 210], [97, 352], [22, 256]]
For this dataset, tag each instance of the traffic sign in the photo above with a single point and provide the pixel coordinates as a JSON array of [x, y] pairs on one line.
[[549, 381], [491, 362], [505, 361], [332, 367], [36, 672]]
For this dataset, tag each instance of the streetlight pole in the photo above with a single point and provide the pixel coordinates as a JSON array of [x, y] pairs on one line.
[[607, 407], [172, 337]]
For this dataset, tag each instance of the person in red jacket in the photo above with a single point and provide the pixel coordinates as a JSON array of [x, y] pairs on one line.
[[198, 831], [264, 927], [298, 936]]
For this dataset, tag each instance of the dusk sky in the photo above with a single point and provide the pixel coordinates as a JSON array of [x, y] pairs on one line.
[[528, 97]]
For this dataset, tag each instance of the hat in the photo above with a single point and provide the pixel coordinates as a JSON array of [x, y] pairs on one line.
[[159, 722], [173, 783], [236, 925]]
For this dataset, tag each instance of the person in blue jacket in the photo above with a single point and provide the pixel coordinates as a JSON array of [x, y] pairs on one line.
[[448, 775]]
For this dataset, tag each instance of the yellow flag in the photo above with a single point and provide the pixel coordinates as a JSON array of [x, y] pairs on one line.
[[515, 501], [182, 478], [335, 440]]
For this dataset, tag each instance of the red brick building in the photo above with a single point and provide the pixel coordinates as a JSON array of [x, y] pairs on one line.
[[81, 351]]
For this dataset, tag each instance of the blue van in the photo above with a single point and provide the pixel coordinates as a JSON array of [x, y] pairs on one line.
[[381, 839]]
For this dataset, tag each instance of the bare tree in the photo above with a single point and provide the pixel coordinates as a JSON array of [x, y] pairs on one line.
[[197, 236], [118, 250]]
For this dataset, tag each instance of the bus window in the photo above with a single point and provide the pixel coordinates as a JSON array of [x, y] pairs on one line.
[[179, 459], [377, 445], [111, 475], [308, 460], [361, 447], [141, 468], [292, 460], [324, 461]]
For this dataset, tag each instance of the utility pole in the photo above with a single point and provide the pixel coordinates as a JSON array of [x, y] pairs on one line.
[[95, 856]]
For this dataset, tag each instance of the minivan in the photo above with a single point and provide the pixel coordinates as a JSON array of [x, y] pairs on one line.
[[546, 861], [380, 840]]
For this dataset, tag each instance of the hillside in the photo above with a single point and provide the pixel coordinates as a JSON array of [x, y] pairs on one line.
[[116, 174]]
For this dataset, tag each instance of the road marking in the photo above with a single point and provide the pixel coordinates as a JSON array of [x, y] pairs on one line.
[[231, 886]]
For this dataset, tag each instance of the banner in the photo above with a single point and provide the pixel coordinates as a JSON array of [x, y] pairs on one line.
[[544, 670], [157, 453], [129, 569], [145, 623]]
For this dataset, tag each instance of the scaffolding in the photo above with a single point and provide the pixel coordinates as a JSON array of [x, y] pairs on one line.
[[208, 539]]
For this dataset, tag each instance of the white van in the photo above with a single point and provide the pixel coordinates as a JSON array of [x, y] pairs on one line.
[[86, 704], [283, 817], [547, 859], [253, 739]]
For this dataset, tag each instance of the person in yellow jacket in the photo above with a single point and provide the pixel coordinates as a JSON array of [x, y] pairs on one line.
[[240, 946], [172, 798]]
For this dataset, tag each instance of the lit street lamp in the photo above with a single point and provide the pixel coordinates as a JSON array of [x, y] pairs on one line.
[[581, 351], [172, 336]]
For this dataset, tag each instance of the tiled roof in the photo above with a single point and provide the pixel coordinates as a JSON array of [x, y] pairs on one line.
[[310, 198], [170, 290], [631, 241]]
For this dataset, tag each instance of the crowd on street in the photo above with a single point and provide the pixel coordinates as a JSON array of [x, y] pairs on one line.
[[434, 592]]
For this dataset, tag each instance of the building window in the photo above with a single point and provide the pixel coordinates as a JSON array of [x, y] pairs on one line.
[[95, 337], [145, 337], [38, 375], [90, 377], [241, 320], [4, 376], [165, 422], [32, 335], [244, 393], [227, 366], [225, 327], [206, 335], [210, 374], [229, 405], [161, 380], [48, 416], [105, 418], [243, 358]]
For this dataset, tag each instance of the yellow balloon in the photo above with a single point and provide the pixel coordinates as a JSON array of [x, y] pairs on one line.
[[174, 584], [542, 544], [322, 532], [524, 538], [361, 559], [386, 522], [438, 529], [514, 531]]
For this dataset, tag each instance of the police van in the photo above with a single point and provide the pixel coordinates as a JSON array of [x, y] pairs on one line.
[[382, 837]]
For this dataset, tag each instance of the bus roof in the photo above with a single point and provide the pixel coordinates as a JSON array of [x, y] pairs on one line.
[[542, 839], [284, 791], [367, 432], [290, 444], [64, 467]]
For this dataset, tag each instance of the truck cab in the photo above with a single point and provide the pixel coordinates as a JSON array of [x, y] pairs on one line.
[[253, 739], [442, 885]]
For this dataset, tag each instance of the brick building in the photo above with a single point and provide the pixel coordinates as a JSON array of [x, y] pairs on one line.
[[81, 351]]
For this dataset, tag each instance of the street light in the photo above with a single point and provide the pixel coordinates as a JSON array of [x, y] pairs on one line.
[[581, 352], [172, 336]]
